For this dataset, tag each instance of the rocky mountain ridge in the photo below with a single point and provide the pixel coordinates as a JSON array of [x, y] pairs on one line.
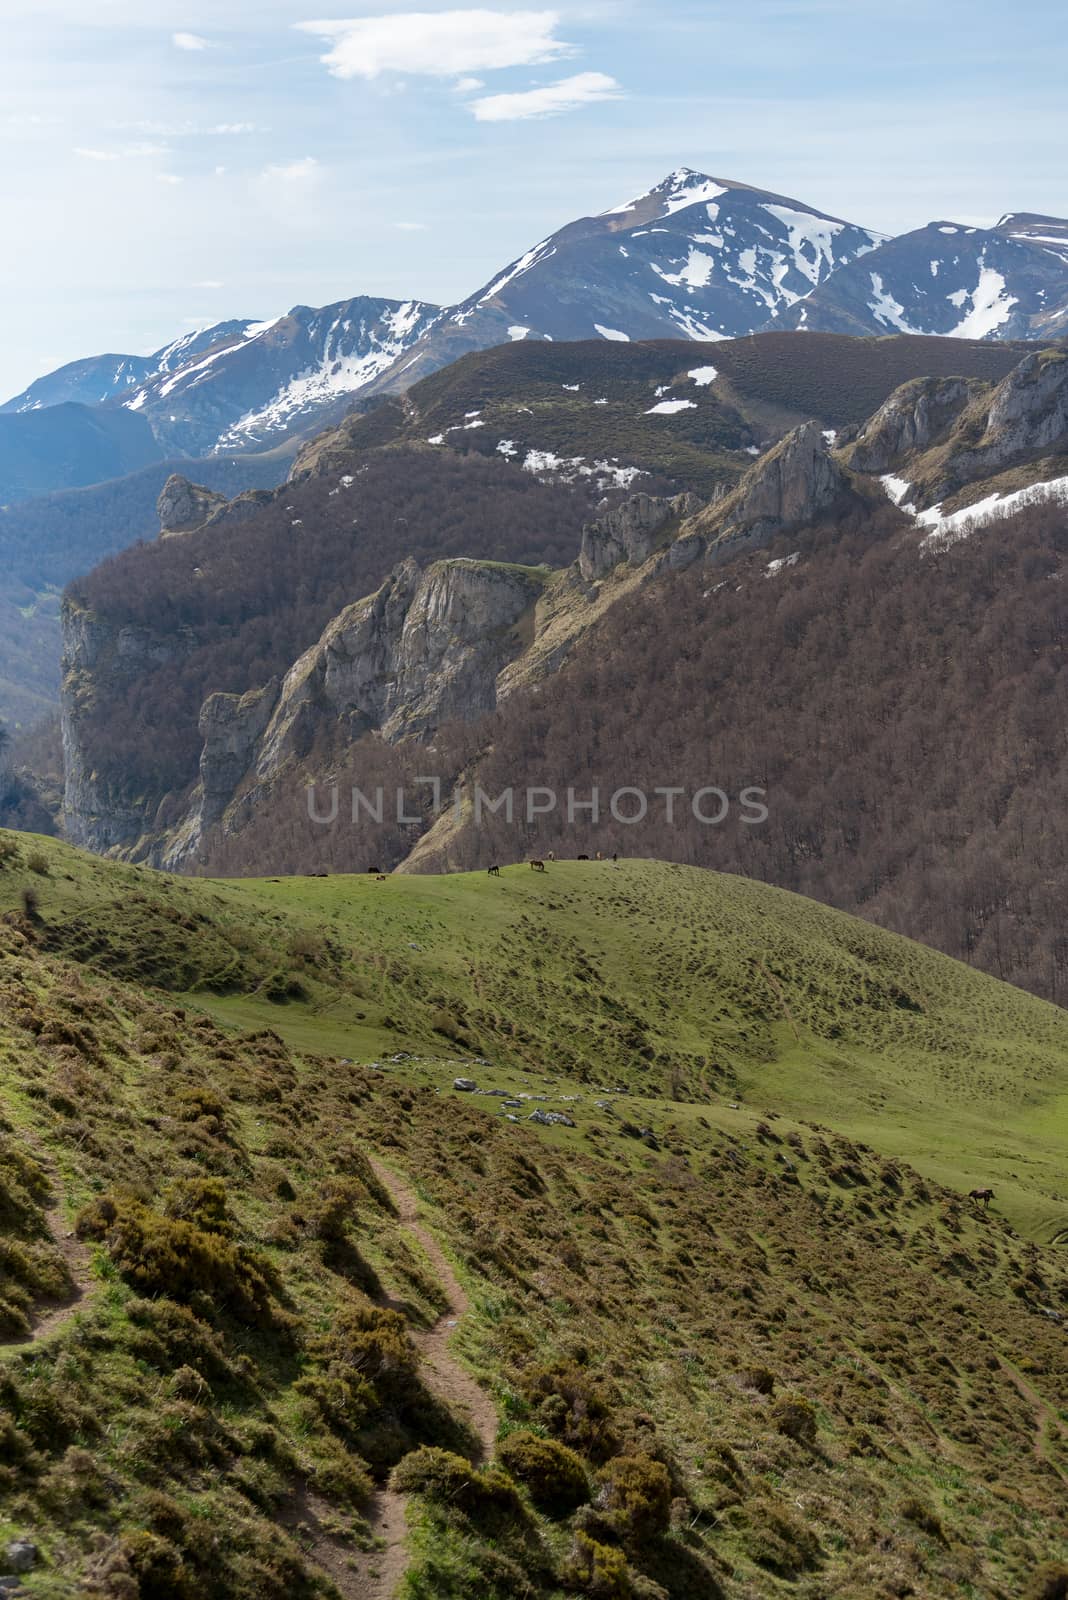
[[1005, 282], [699, 257], [445, 644]]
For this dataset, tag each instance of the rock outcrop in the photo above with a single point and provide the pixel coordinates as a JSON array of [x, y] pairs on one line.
[[791, 486], [1028, 417], [914, 418], [99, 656], [952, 437], [629, 532], [427, 648], [184, 506], [231, 726]]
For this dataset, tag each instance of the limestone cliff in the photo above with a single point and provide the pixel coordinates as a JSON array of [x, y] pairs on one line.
[[914, 418], [100, 656], [954, 440], [427, 648], [629, 532], [793, 485]]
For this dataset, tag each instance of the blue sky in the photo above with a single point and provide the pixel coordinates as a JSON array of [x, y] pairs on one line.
[[170, 164]]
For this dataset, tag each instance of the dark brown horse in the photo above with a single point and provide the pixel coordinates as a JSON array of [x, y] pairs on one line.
[[494, 872], [985, 1195], [537, 866]]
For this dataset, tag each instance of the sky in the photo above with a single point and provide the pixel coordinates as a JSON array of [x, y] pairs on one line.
[[166, 164]]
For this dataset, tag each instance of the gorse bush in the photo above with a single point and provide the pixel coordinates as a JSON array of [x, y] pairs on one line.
[[596, 1569], [575, 1407], [795, 1417], [635, 1494], [444, 1477], [160, 1254], [554, 1475]]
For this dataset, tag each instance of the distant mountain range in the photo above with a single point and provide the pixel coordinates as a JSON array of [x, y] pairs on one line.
[[698, 257], [1005, 282]]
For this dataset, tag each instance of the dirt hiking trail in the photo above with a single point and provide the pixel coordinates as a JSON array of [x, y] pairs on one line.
[[377, 1574], [48, 1316]]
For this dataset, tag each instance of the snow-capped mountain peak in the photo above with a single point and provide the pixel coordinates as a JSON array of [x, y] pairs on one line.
[[695, 257]]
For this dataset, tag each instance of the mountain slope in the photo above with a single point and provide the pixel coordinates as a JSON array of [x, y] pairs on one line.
[[331, 536], [690, 413], [696, 256], [251, 390], [763, 1350], [703, 257], [50, 539], [66, 446], [1006, 282], [98, 378], [741, 634]]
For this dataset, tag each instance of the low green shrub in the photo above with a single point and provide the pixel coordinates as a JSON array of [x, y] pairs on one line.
[[447, 1478], [635, 1493], [158, 1254], [795, 1417], [597, 1569], [775, 1541], [554, 1475], [574, 1407]]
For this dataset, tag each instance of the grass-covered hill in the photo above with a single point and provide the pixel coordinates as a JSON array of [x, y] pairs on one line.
[[692, 1305]]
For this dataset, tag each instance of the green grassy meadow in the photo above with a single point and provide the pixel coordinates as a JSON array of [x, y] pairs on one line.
[[737, 1299]]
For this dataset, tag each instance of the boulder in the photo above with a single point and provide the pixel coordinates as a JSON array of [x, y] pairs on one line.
[[21, 1555]]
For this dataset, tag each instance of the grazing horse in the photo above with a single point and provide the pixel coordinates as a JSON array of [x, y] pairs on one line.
[[373, 872], [494, 872], [985, 1195], [583, 858], [537, 866], [381, 878]]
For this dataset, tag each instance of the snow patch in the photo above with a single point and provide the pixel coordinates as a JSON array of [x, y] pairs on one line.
[[533, 258], [669, 408], [885, 309], [991, 306], [703, 376], [959, 524], [612, 333]]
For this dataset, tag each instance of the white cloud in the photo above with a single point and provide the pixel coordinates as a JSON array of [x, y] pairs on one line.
[[293, 171], [234, 127], [443, 44], [167, 177], [123, 153], [468, 85], [188, 41], [586, 88], [412, 227], [209, 283]]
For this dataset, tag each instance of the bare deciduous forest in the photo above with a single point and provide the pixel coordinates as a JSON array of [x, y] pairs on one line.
[[249, 600], [905, 714]]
